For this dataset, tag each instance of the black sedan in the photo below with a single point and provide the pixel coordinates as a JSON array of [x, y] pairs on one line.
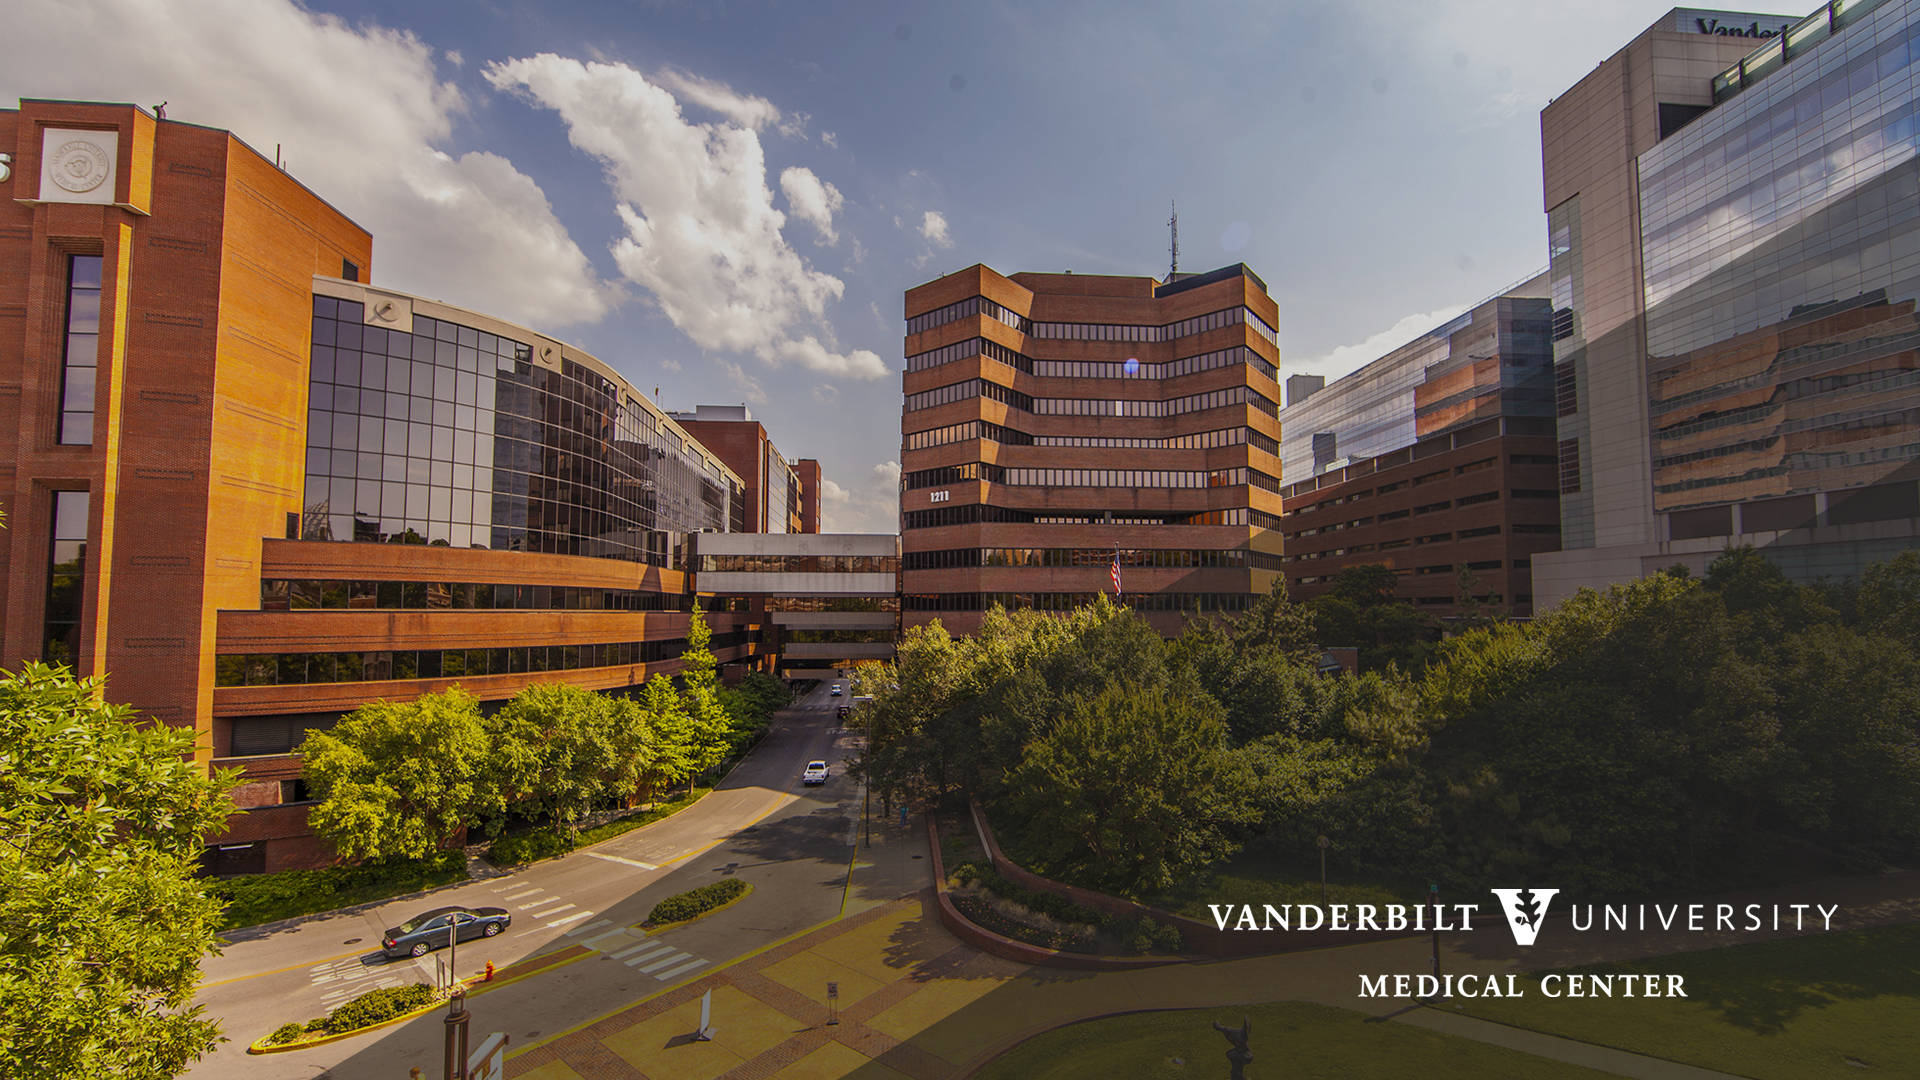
[[433, 929]]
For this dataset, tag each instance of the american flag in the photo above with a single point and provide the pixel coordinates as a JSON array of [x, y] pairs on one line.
[[1116, 571]]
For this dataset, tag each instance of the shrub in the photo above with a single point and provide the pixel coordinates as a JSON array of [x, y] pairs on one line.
[[1150, 936], [698, 901], [318, 1023], [376, 1006], [1049, 904], [529, 847], [260, 898], [285, 1033]]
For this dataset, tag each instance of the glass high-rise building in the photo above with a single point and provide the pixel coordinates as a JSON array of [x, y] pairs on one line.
[[1737, 355]]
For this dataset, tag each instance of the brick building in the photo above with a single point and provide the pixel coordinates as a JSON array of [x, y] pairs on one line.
[[775, 497], [257, 492], [1056, 422], [1436, 460]]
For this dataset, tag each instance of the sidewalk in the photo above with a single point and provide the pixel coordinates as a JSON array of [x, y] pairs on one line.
[[914, 1003]]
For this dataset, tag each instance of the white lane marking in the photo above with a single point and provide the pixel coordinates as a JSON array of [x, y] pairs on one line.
[[629, 862], [536, 903], [567, 919], [681, 970], [651, 952], [594, 943], [594, 925], [552, 910], [657, 964], [629, 951], [513, 892]]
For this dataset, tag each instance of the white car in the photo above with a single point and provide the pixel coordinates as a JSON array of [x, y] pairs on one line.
[[836, 690], [816, 773]]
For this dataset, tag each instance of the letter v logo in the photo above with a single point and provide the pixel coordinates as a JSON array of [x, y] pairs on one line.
[[1707, 25], [1526, 909]]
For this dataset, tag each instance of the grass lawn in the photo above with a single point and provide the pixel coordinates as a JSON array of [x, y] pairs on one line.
[[1791, 1009], [1296, 1040]]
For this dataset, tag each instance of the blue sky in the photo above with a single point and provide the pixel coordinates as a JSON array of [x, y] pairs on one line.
[[726, 200]]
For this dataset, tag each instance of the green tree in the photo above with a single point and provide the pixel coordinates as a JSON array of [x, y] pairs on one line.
[[1361, 609], [102, 921], [1889, 598], [398, 779], [712, 728], [671, 759], [587, 749], [1135, 785]]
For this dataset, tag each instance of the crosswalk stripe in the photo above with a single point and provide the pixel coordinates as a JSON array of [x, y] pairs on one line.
[[522, 890], [652, 952], [551, 910], [535, 904], [629, 951], [657, 964], [681, 970], [594, 943], [618, 859], [567, 919], [589, 928]]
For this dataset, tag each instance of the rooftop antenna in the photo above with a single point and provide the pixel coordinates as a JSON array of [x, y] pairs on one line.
[[160, 111], [1173, 247]]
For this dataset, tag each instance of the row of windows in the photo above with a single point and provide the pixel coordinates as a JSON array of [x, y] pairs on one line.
[[1202, 602], [973, 305], [800, 564], [980, 305], [301, 594], [1215, 399], [982, 429], [1155, 479], [980, 513], [832, 603], [965, 431], [972, 388], [1233, 356], [1157, 558], [280, 669]]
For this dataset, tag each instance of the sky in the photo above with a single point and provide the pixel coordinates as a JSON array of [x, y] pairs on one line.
[[726, 200]]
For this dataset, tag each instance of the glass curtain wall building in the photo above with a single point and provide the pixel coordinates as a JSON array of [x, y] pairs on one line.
[[445, 434], [1734, 274]]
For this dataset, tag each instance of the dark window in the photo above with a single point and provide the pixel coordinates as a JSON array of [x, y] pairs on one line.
[[1569, 466], [80, 363], [351, 272], [1706, 521], [1777, 515], [1887, 502], [66, 578]]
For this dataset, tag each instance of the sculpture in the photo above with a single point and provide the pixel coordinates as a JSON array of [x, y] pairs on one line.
[[1239, 1057]]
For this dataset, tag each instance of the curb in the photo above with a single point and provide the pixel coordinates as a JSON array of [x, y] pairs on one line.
[[280, 1048]]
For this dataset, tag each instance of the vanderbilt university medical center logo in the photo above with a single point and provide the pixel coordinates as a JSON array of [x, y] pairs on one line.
[[1526, 909]]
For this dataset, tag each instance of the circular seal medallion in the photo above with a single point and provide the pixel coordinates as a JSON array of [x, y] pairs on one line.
[[79, 166]]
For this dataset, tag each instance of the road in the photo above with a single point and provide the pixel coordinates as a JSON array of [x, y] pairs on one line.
[[791, 843]]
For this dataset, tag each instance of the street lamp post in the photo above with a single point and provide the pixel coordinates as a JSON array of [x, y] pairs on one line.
[[455, 1061]]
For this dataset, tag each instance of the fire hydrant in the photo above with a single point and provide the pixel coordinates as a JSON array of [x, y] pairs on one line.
[[488, 977]]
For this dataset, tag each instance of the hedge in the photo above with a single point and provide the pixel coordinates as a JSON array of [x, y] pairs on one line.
[[263, 898], [376, 1006], [697, 902]]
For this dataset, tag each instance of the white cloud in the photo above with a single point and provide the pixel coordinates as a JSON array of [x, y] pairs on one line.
[[933, 227], [362, 114], [1349, 358], [744, 109], [872, 505], [748, 386], [453, 57], [830, 140], [794, 126], [702, 234], [812, 200]]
